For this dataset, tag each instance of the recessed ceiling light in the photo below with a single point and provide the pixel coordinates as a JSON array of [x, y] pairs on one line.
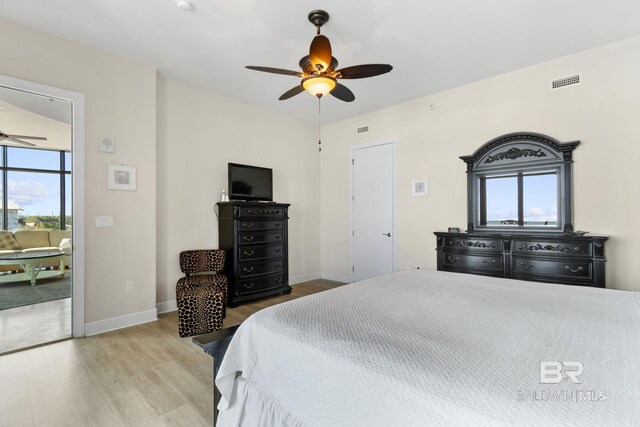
[[183, 5]]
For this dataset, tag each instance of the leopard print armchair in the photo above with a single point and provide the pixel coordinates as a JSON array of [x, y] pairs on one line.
[[201, 297]]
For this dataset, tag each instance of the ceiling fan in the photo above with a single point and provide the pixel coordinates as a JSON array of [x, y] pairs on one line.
[[19, 138], [319, 73]]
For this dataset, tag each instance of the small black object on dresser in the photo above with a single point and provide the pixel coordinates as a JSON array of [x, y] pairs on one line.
[[568, 259], [254, 238]]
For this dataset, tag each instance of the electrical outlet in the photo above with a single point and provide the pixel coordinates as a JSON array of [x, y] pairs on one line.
[[130, 286]]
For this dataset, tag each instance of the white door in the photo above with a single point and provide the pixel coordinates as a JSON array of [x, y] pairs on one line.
[[373, 234]]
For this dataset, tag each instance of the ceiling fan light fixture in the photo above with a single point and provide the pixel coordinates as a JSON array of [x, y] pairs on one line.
[[319, 85]]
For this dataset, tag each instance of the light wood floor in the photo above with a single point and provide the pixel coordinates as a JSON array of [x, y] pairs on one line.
[[34, 324], [140, 376]]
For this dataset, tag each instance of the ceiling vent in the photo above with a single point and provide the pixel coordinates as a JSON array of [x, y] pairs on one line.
[[362, 129], [563, 82]]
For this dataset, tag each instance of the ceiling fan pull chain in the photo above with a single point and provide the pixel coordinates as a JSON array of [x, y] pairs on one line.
[[319, 139]]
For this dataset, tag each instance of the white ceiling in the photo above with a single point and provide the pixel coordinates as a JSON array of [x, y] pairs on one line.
[[432, 45]]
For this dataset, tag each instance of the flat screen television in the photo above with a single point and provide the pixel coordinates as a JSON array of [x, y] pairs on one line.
[[250, 183]]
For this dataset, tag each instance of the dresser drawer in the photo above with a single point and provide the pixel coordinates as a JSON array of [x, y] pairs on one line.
[[261, 212], [246, 253], [477, 262], [260, 267], [486, 244], [248, 237], [541, 247], [564, 269], [251, 286], [261, 224]]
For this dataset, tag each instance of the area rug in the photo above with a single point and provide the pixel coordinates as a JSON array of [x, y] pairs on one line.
[[18, 294]]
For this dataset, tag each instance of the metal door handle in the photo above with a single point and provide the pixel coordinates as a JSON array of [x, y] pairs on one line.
[[386, 234]]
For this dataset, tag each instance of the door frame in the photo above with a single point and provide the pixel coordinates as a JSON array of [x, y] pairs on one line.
[[394, 198], [77, 183]]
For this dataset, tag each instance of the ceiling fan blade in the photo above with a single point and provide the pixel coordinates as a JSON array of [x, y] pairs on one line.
[[274, 70], [320, 52], [40, 138], [291, 92], [363, 71], [19, 141], [343, 93]]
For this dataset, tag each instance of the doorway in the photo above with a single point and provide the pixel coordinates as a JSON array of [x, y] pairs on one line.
[[373, 228], [41, 214]]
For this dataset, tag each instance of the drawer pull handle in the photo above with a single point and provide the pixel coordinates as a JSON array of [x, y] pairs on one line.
[[452, 259], [247, 270], [278, 224], [278, 280], [573, 270], [278, 237], [278, 250], [276, 266], [527, 266], [248, 285], [489, 261], [249, 253], [247, 239], [247, 224]]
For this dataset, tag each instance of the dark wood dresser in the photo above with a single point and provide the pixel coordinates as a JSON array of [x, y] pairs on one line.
[[254, 238], [573, 259]]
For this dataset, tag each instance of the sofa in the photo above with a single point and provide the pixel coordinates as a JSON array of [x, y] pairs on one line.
[[35, 241]]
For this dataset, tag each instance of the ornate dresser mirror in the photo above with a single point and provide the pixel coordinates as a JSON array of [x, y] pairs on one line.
[[520, 216], [521, 182]]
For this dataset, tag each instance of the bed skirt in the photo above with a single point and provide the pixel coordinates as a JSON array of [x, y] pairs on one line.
[[250, 407]]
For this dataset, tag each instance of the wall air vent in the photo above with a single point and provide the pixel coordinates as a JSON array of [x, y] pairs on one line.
[[563, 82], [362, 129]]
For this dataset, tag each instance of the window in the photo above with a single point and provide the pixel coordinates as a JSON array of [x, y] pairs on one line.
[[520, 199], [36, 189]]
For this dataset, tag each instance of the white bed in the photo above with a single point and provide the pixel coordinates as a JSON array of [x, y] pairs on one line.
[[432, 348]]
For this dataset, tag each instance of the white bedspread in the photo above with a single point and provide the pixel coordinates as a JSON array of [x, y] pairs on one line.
[[422, 348]]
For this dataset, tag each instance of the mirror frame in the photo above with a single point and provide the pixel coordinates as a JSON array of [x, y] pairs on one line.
[[522, 152]]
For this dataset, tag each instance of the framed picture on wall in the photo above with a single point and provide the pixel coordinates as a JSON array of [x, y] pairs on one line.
[[121, 177], [420, 187]]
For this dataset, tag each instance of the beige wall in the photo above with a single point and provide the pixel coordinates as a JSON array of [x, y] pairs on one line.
[[603, 113], [121, 103], [198, 134]]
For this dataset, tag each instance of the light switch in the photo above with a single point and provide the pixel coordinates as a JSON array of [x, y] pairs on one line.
[[104, 221]]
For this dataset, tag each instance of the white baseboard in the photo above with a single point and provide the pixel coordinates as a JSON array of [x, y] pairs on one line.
[[167, 306], [294, 280], [335, 277], [106, 325]]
